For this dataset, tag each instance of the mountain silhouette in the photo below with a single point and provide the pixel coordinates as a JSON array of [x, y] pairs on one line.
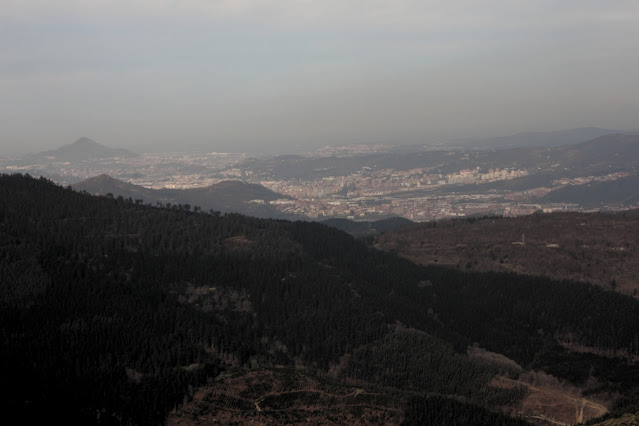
[[85, 149], [226, 196]]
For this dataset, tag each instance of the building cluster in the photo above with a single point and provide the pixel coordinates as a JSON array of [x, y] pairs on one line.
[[588, 179], [357, 149], [414, 208], [368, 183], [370, 193], [156, 170]]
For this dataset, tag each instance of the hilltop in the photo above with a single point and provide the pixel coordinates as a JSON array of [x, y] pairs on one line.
[[83, 149], [226, 196], [601, 155]]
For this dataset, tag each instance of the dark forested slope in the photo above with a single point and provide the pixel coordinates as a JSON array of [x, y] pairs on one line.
[[112, 311], [360, 229]]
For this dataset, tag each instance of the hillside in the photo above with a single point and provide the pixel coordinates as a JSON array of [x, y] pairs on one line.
[[227, 196], [600, 248], [541, 139], [616, 152], [117, 312], [599, 156], [84, 149], [623, 192]]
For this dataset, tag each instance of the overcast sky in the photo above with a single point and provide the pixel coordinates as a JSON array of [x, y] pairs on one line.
[[265, 75]]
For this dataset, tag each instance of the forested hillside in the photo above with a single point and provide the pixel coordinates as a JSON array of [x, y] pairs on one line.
[[360, 229], [116, 312]]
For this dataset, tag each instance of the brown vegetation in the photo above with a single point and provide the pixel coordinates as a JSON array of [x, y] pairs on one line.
[[551, 401], [548, 400], [284, 397], [600, 248]]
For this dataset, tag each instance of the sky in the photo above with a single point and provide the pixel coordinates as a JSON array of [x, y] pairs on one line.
[[290, 75]]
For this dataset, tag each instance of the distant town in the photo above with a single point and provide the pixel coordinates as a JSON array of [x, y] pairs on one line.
[[361, 193]]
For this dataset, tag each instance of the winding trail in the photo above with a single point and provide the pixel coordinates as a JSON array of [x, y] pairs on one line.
[[580, 404]]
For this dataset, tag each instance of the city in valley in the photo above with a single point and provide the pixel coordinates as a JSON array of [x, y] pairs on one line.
[[359, 182]]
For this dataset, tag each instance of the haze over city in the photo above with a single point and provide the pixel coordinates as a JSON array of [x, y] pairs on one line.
[[293, 75]]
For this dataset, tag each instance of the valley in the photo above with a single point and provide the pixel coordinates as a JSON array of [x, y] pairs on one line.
[[419, 183]]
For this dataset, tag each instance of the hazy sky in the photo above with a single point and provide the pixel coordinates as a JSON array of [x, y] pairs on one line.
[[239, 75]]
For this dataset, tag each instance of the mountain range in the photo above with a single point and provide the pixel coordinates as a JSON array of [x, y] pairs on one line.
[[603, 156], [540, 139], [598, 155]]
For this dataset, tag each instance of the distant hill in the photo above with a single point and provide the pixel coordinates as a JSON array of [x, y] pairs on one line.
[[541, 139], [622, 192], [104, 184], [227, 196], [84, 149], [582, 149], [619, 151], [232, 196], [601, 154], [598, 157]]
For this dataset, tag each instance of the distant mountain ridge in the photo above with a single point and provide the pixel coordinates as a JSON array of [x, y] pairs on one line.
[[613, 145], [618, 150], [603, 156], [85, 149], [542, 139], [226, 196]]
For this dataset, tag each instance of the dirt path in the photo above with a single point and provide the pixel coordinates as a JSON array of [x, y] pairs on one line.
[[558, 406]]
